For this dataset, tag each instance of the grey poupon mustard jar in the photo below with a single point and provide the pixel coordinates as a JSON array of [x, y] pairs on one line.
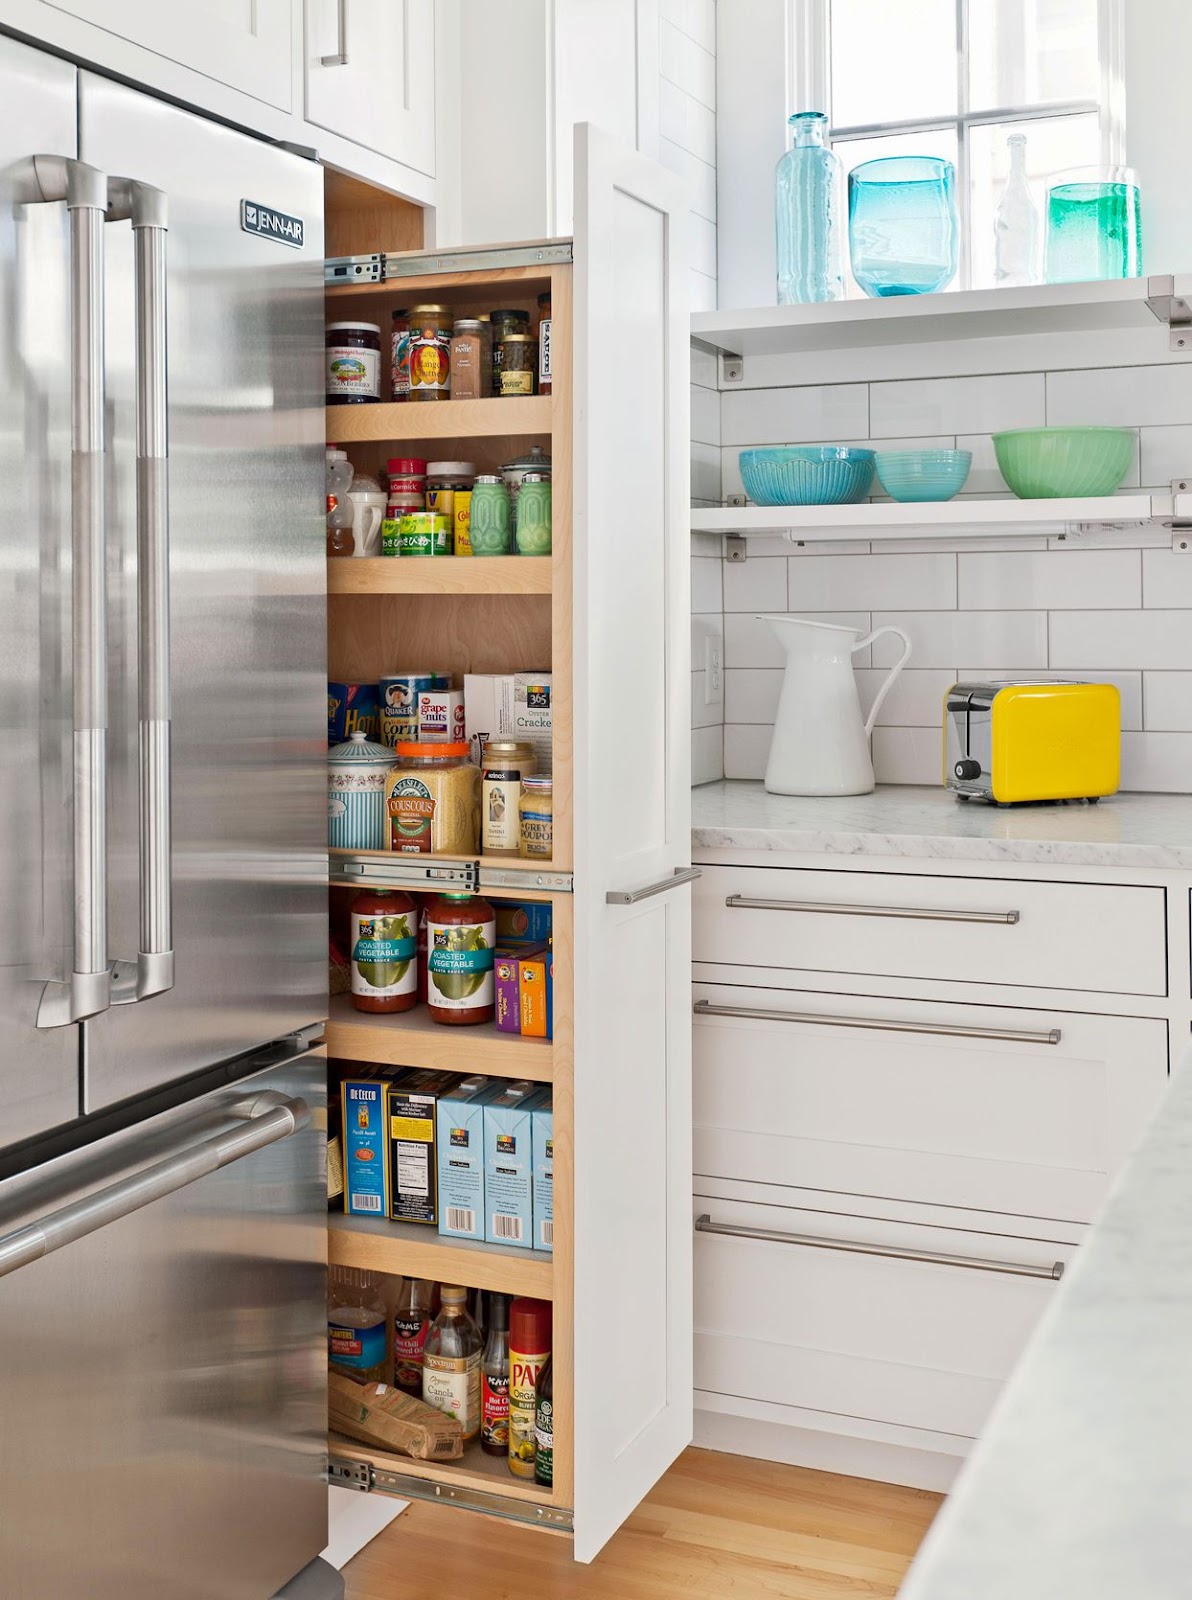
[[356, 772]]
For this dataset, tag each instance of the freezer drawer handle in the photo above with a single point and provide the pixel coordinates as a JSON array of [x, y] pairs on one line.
[[153, 971], [946, 1030], [43, 180], [827, 908], [935, 1258], [264, 1120], [630, 897]]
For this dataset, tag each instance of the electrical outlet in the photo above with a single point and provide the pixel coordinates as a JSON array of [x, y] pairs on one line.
[[714, 671]]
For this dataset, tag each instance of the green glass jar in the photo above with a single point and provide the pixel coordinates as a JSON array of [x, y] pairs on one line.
[[489, 528], [533, 515]]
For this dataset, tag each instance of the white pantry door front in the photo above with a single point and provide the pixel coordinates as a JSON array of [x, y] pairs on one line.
[[632, 1195]]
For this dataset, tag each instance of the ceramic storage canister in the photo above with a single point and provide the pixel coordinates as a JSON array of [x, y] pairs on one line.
[[356, 772]]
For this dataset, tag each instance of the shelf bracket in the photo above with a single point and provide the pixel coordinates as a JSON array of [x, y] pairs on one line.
[[736, 548], [348, 1473], [1172, 309], [732, 367]]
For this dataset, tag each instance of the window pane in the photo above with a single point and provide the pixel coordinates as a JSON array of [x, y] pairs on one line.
[[1031, 52], [1052, 145], [892, 63], [853, 152]]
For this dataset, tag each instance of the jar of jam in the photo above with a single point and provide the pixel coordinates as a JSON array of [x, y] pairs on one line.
[[399, 363], [353, 363], [384, 951], [461, 930], [430, 352], [518, 362]]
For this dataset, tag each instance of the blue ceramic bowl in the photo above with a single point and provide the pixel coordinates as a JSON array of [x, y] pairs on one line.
[[923, 474], [807, 475]]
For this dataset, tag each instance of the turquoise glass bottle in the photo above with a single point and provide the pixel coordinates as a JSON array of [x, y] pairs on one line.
[[807, 215]]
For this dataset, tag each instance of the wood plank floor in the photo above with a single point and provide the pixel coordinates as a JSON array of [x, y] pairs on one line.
[[716, 1526]]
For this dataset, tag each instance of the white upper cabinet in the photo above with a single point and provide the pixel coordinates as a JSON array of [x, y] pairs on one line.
[[245, 44], [370, 75]]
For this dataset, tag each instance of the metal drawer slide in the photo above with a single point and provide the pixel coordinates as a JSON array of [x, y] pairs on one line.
[[348, 1472]]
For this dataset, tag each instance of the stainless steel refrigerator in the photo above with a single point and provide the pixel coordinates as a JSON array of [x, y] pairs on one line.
[[162, 850]]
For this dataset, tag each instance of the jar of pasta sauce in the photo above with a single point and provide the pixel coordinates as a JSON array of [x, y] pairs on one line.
[[461, 930], [353, 363], [430, 352], [384, 951]]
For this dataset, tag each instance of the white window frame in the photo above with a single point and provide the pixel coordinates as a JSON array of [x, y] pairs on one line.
[[809, 75]]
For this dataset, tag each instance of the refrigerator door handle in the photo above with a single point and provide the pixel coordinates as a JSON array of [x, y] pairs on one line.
[[48, 179], [270, 1116], [153, 971]]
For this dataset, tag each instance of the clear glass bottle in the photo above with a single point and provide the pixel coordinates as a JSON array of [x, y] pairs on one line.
[[451, 1362], [357, 1322], [1016, 225], [807, 215]]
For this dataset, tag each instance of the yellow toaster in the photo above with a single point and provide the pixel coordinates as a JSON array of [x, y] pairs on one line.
[[1012, 743]]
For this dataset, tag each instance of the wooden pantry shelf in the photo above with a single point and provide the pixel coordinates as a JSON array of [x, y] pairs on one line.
[[407, 1249], [412, 1039], [403, 422], [475, 1471], [439, 575]]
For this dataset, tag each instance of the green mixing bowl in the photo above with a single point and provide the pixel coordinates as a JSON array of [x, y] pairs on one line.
[[1054, 463]]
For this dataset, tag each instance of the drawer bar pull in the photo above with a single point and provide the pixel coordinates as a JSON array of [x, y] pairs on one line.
[[936, 1258], [947, 1030], [828, 908], [630, 897]]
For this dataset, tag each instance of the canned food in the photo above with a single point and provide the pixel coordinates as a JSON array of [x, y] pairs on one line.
[[419, 533]]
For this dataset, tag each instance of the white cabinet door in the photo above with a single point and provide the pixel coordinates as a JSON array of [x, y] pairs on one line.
[[633, 1290], [246, 44], [370, 75]]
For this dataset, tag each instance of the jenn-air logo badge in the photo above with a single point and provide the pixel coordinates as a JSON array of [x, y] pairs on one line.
[[256, 218]]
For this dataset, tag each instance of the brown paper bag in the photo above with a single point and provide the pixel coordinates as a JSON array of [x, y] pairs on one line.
[[378, 1414]]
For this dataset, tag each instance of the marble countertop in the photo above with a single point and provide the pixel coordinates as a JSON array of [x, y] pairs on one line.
[[1081, 1487], [1128, 830]]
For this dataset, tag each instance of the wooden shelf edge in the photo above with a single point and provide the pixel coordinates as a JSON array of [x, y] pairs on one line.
[[409, 1250], [492, 575], [445, 419], [410, 1039]]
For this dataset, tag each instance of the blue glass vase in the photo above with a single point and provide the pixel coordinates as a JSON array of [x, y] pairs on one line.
[[902, 225], [807, 191]]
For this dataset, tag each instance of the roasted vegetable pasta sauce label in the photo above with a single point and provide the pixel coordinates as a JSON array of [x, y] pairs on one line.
[[460, 964], [383, 955]]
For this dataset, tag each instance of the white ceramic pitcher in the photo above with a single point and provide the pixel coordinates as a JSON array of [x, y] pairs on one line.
[[821, 743]]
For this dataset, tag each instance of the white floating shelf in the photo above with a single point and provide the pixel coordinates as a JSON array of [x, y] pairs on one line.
[[969, 314], [950, 519]]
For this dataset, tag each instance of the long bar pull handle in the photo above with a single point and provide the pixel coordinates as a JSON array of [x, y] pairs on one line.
[[47, 179], [153, 973], [915, 913], [269, 1118], [935, 1258], [946, 1030], [630, 897], [340, 58]]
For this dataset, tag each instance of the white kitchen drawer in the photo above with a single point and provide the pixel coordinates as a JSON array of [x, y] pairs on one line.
[[947, 1116], [1080, 936], [904, 1342]]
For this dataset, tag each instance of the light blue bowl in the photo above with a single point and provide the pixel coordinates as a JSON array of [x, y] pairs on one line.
[[807, 475], [923, 474]]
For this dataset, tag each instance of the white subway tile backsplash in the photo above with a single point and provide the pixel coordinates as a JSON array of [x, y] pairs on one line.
[[940, 638], [746, 750], [1091, 640], [1053, 580], [1166, 454], [701, 291], [1167, 579], [915, 701], [704, 370], [833, 411], [846, 583], [707, 585], [701, 244], [1120, 397], [705, 415], [751, 694], [1157, 762], [707, 755], [687, 63], [957, 405], [1168, 702], [709, 626], [908, 755], [695, 18], [751, 642], [758, 584], [699, 177], [704, 715], [705, 472]]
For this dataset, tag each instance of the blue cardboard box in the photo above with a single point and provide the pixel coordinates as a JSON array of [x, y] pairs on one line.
[[460, 1138], [352, 708], [508, 1165], [542, 1141], [366, 1191]]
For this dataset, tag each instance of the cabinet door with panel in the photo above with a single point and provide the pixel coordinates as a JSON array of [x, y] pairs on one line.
[[370, 75], [248, 47], [632, 1184]]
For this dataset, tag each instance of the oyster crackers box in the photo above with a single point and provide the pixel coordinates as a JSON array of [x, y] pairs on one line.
[[508, 1165], [514, 705], [460, 1135]]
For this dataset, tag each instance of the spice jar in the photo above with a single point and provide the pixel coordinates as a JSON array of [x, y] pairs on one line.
[[518, 361], [407, 493], [535, 460], [544, 383], [353, 363], [504, 763], [356, 773], [489, 530], [430, 352], [432, 800], [533, 515], [384, 951], [471, 361], [502, 324], [461, 930], [445, 480], [536, 819], [399, 357]]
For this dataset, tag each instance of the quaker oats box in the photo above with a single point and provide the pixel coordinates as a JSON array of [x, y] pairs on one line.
[[351, 708]]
